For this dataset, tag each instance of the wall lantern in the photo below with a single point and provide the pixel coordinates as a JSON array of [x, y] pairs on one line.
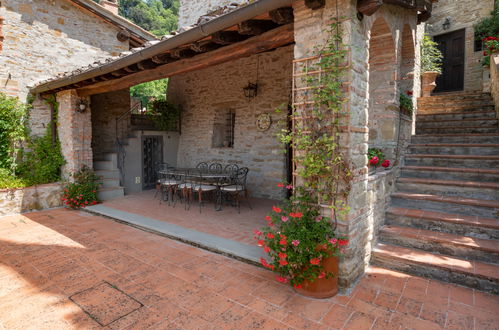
[[250, 91], [446, 24], [81, 106]]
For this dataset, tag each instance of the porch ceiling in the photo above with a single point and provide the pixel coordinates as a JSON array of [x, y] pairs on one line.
[[254, 28]]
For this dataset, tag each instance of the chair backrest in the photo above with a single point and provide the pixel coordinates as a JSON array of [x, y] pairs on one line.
[[202, 166], [161, 167], [231, 168], [241, 176], [215, 167]]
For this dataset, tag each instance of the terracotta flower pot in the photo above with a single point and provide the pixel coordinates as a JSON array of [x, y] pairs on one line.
[[323, 287], [428, 82]]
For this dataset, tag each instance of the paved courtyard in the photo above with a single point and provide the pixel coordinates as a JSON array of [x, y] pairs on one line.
[[62, 269]]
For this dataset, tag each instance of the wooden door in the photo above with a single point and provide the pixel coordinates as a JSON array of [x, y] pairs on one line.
[[452, 47]]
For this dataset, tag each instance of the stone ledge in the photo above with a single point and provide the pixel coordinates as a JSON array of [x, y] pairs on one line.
[[39, 197]]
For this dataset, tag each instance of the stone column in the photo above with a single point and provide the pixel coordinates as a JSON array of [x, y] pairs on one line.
[[75, 132]]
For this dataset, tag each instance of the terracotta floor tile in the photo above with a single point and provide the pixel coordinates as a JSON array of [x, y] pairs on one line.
[[409, 306], [434, 313], [462, 295], [487, 301], [387, 299], [359, 321], [337, 316], [459, 321], [105, 303], [233, 314], [266, 308]]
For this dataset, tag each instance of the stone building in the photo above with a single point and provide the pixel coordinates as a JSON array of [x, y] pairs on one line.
[[267, 43], [451, 25], [44, 38]]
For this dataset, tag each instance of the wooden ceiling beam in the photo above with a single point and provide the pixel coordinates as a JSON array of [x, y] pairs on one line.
[[278, 37], [282, 16], [147, 65], [181, 53], [227, 37], [204, 46], [255, 27], [162, 59]]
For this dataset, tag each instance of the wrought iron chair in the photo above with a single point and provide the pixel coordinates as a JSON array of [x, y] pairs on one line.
[[238, 188], [159, 176], [215, 167], [185, 188], [203, 186], [202, 166]]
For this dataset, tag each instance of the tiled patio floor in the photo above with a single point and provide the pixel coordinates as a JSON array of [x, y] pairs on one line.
[[57, 264], [227, 223]]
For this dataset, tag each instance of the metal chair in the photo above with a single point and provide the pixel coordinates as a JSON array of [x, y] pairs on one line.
[[201, 186], [215, 167], [202, 166], [185, 188], [158, 168], [238, 187]]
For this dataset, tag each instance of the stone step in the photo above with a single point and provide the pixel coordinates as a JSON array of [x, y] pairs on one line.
[[103, 165], [455, 97], [472, 226], [458, 205], [450, 173], [470, 248], [478, 149], [110, 182], [425, 117], [468, 161], [108, 193], [108, 174], [474, 274], [455, 123], [112, 157], [443, 106], [454, 130], [455, 188], [455, 138]]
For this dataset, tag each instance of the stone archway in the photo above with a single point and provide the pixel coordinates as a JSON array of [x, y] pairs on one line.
[[383, 109], [407, 60]]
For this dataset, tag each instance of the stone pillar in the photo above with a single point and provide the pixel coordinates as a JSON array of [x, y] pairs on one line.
[[75, 132]]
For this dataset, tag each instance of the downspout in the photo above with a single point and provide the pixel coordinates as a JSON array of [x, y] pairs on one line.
[[220, 23]]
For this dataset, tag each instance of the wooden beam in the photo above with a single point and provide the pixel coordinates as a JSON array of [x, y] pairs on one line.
[[147, 65], [181, 53], [315, 4], [131, 68], [282, 16], [368, 7], [226, 37], [204, 46], [162, 59], [278, 37], [255, 27]]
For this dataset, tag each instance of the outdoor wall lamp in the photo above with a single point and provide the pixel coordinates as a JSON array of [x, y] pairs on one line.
[[250, 91], [446, 24], [81, 106]]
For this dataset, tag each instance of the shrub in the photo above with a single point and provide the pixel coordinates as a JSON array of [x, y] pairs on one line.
[[488, 26], [83, 191], [491, 46], [431, 56], [8, 180], [406, 103], [165, 115], [13, 116], [42, 164]]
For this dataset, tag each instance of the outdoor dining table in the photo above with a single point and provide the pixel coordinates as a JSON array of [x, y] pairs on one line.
[[200, 174]]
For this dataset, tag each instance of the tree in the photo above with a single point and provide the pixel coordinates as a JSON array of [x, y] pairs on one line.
[[159, 17], [152, 90]]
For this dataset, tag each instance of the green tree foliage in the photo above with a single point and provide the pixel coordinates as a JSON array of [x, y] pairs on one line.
[[431, 56], [159, 17], [488, 26], [13, 115], [152, 90]]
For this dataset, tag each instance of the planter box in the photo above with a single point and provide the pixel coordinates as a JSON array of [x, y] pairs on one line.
[[14, 201]]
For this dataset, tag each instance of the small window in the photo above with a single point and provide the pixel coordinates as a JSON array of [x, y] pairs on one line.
[[478, 44], [223, 129]]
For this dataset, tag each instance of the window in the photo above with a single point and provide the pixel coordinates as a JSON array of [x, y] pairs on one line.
[[223, 129], [478, 44]]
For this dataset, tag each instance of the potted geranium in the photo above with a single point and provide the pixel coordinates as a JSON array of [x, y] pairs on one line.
[[406, 106], [83, 191], [302, 247], [491, 45], [431, 65]]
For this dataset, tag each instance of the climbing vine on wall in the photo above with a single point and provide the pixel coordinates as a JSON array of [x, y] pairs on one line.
[[324, 174]]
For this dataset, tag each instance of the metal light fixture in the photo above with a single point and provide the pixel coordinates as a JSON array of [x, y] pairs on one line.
[[81, 106], [251, 90], [446, 24]]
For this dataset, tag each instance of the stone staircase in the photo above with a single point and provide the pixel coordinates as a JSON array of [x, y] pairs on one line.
[[443, 221], [107, 168]]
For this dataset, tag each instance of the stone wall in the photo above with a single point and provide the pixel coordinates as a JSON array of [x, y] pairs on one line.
[[377, 110], [14, 201], [463, 14], [191, 10], [106, 108], [43, 38], [75, 132], [494, 81], [205, 92]]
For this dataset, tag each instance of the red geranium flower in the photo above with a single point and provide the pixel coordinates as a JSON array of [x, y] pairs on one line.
[[409, 93], [276, 209], [385, 163], [297, 286], [268, 218], [261, 242], [342, 242], [280, 185], [266, 249], [282, 279], [296, 214], [270, 235], [283, 241], [283, 262], [315, 261], [374, 160], [282, 255]]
